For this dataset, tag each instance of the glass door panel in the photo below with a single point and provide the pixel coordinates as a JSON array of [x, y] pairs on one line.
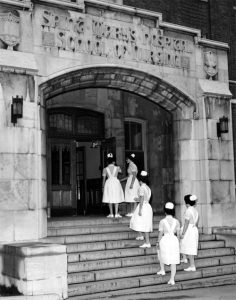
[[60, 178], [81, 181]]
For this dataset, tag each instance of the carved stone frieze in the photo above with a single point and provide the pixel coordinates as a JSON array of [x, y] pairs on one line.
[[210, 64], [9, 30]]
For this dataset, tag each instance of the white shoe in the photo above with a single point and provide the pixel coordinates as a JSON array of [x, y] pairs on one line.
[[128, 215], [171, 282], [184, 260], [139, 238], [161, 272], [110, 216], [145, 245], [190, 269], [118, 216]]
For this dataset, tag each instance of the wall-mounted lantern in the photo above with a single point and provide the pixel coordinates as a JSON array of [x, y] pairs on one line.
[[16, 109], [222, 126]]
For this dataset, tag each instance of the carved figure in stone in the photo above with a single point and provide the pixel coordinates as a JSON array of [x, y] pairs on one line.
[[210, 64], [9, 29]]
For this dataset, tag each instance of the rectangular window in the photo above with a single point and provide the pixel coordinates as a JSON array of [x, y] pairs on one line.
[[66, 165], [134, 142], [55, 154], [133, 136], [61, 164]]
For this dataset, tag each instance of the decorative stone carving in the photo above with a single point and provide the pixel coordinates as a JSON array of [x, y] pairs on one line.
[[210, 64], [10, 29]]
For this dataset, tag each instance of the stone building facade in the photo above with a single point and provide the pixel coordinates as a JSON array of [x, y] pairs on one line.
[[215, 19], [98, 76]]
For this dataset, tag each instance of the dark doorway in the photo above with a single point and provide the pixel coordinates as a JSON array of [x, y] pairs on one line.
[[75, 152]]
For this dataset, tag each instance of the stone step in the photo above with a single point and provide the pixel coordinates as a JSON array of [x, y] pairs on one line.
[[150, 280], [110, 236], [140, 270], [87, 221], [121, 244], [111, 263], [73, 267], [129, 252], [91, 229], [158, 290]]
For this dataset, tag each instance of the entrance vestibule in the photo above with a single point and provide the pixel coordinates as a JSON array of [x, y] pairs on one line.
[[93, 123]]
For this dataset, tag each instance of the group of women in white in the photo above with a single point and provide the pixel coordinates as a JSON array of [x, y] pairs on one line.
[[173, 240], [137, 194]]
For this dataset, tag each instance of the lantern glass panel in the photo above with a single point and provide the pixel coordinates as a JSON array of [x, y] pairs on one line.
[[224, 125]]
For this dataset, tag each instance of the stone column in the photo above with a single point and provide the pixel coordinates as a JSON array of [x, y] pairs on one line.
[[204, 164], [191, 172], [22, 178], [220, 208]]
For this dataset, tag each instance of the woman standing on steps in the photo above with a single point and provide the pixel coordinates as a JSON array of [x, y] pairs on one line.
[[142, 219], [189, 236], [168, 242], [112, 189], [132, 184]]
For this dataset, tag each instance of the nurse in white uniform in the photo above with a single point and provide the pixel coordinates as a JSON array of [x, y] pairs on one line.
[[132, 184], [142, 219], [190, 236]]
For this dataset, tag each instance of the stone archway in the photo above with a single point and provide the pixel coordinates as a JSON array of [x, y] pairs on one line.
[[153, 88], [128, 79]]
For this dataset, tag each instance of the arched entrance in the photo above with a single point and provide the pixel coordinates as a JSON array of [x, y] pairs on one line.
[[137, 112]]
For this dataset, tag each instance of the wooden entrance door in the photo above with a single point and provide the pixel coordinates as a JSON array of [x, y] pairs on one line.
[[71, 184]]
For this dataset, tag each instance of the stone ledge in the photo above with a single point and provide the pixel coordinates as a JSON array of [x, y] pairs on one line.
[[210, 87], [34, 268], [17, 62], [40, 297], [34, 249]]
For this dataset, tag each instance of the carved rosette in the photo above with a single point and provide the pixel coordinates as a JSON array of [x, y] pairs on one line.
[[10, 29], [210, 64]]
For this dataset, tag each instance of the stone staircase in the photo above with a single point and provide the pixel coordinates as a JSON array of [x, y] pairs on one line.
[[105, 261]]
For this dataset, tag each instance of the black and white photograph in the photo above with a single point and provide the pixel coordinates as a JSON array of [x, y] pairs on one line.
[[117, 149]]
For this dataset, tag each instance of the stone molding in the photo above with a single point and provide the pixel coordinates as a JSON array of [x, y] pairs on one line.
[[214, 89], [17, 62], [78, 5], [22, 4]]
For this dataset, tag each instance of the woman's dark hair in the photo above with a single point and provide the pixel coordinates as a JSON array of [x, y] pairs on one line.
[[169, 211], [110, 160], [188, 201], [144, 179], [129, 156]]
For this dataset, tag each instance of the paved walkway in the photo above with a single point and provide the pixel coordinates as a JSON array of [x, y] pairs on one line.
[[217, 293], [227, 292]]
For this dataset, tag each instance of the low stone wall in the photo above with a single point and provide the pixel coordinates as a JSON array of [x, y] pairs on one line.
[[34, 268], [227, 233]]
